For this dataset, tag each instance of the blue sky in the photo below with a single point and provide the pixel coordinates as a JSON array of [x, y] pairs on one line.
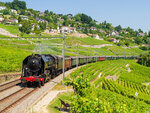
[[133, 13]]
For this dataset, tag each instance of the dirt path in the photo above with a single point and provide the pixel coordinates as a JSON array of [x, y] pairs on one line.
[[97, 46], [40, 107], [6, 33]]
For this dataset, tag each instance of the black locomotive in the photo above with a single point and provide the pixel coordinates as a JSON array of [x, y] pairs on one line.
[[39, 68]]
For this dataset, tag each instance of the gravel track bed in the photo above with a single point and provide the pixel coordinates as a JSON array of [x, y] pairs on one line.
[[13, 98], [9, 91], [38, 95], [9, 84]]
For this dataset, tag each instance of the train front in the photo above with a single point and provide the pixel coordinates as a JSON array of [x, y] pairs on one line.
[[32, 70]]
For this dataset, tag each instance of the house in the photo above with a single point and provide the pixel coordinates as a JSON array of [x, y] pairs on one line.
[[31, 15], [13, 20], [67, 29], [101, 31], [42, 21], [60, 14], [140, 34], [13, 11], [37, 18], [81, 28], [1, 18], [78, 22], [52, 30], [114, 40], [20, 25], [41, 13], [33, 26], [27, 11], [113, 33], [2, 7], [124, 32], [7, 22], [61, 20], [69, 16], [96, 36], [93, 28], [24, 17]]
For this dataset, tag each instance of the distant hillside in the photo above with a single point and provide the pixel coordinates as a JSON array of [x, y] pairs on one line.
[[26, 22]]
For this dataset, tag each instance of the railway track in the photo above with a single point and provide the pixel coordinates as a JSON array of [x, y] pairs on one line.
[[9, 85], [12, 100]]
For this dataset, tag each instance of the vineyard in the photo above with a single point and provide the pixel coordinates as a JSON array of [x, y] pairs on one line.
[[13, 51], [107, 86]]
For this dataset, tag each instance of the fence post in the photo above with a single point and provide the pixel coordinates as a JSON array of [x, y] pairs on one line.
[[77, 60], [63, 55], [87, 55]]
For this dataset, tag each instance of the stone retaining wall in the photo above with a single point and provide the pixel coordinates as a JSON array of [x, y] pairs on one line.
[[10, 76]]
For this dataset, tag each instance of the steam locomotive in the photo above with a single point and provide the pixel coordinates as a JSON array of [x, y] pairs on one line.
[[39, 68]]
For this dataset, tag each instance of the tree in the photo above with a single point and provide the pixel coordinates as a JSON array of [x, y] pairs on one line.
[[65, 17], [149, 34], [77, 17], [127, 43], [19, 19], [2, 4], [85, 30], [138, 40], [92, 24], [36, 29], [13, 15], [16, 4], [140, 31], [118, 28], [46, 12], [109, 26], [42, 25], [22, 12], [65, 23], [85, 18], [6, 12], [26, 27]]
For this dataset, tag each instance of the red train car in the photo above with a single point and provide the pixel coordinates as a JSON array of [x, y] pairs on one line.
[[67, 63], [102, 58]]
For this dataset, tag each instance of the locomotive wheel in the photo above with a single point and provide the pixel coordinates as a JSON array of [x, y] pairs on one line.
[[42, 83]]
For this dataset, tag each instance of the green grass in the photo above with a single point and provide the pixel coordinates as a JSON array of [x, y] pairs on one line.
[[54, 106], [2, 36], [10, 28], [12, 54]]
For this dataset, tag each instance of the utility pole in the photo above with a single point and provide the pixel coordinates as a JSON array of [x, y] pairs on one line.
[[63, 55], [96, 55], [87, 55], [124, 54], [136, 94], [77, 60], [40, 49]]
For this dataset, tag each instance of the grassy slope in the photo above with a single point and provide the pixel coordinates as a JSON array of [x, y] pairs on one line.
[[17, 47], [110, 96], [10, 28], [12, 54]]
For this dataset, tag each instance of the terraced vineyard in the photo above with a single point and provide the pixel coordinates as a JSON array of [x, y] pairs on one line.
[[111, 89], [14, 51]]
